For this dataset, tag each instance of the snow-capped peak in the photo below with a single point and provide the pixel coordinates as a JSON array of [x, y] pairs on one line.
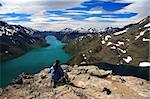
[[66, 30]]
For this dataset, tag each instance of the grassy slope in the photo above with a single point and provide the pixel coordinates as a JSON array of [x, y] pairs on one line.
[[137, 49]]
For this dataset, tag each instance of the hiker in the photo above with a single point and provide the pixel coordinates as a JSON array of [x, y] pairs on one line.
[[57, 73]]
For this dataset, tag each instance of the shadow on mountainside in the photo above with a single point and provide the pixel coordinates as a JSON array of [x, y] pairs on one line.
[[125, 70]]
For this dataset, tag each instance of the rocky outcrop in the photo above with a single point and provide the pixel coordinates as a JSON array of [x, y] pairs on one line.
[[84, 82]]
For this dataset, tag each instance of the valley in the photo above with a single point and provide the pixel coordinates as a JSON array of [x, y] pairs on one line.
[[103, 64]]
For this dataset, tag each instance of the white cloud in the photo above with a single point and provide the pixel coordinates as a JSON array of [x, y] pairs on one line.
[[114, 22], [123, 20], [74, 13], [59, 18], [39, 17], [141, 7], [138, 6], [10, 18], [93, 19], [88, 23], [45, 17], [94, 12], [37, 9], [34, 6], [109, 16]]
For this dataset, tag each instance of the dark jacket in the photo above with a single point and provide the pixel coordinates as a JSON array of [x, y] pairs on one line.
[[56, 74]]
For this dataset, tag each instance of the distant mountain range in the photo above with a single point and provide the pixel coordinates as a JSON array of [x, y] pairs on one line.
[[127, 45], [94, 30], [89, 30], [16, 40], [67, 34]]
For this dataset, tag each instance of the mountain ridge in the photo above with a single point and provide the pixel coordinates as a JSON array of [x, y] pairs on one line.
[[17, 40], [128, 46]]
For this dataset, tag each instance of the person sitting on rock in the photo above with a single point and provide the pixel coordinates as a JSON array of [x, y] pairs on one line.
[[57, 73]]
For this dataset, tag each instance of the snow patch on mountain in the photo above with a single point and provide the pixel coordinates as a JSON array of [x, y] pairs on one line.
[[107, 37], [147, 25], [128, 59], [81, 38], [144, 64], [117, 45], [113, 47], [146, 40], [142, 21], [109, 43], [120, 32], [141, 34], [103, 41], [122, 51], [92, 30], [120, 43], [81, 30], [67, 30]]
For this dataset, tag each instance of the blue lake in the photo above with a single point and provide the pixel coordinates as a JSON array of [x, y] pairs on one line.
[[33, 61]]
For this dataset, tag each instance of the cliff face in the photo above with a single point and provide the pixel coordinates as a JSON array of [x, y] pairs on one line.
[[84, 82]]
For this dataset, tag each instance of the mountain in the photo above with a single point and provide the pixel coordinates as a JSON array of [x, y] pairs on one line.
[[79, 30], [16, 40], [67, 34], [91, 30], [67, 30], [127, 45]]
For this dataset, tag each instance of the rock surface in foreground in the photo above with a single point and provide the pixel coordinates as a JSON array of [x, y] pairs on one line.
[[86, 82]]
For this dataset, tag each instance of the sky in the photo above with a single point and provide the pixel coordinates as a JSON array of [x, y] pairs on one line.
[[55, 15]]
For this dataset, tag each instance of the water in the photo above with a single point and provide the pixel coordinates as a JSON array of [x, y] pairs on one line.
[[33, 61]]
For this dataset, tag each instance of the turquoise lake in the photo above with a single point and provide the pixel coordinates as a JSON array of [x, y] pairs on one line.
[[33, 61]]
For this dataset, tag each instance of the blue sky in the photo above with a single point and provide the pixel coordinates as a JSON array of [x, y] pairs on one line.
[[59, 14]]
